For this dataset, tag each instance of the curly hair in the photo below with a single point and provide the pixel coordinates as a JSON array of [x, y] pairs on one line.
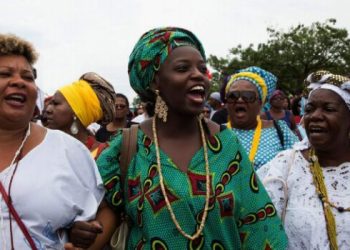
[[13, 45]]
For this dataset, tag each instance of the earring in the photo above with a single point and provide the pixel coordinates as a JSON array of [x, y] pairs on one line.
[[161, 109], [74, 127]]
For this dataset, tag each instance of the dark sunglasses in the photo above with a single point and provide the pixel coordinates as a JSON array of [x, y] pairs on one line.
[[120, 106], [246, 95]]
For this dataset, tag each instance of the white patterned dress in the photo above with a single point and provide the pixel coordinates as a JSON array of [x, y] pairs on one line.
[[304, 221]]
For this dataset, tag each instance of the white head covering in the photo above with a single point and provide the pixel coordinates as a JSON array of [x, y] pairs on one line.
[[326, 80]]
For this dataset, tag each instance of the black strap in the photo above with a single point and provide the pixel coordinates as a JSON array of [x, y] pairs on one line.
[[279, 132]]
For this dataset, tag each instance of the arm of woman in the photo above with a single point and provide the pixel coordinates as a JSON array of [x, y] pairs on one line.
[[274, 176], [95, 234], [109, 167], [257, 213], [109, 221], [85, 234]]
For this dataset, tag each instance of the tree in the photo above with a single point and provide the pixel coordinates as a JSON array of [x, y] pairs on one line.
[[136, 101], [291, 55]]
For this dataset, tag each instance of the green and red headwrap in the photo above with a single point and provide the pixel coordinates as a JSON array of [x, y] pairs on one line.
[[152, 50]]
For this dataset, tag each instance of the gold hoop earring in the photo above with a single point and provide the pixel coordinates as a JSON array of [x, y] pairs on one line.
[[161, 109], [74, 129]]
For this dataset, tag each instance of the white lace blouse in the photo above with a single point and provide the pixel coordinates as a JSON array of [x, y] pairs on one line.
[[288, 175]]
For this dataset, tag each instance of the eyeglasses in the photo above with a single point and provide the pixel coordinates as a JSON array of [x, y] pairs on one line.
[[246, 95], [120, 106], [206, 111]]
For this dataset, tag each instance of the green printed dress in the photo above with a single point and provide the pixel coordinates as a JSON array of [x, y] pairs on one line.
[[241, 215]]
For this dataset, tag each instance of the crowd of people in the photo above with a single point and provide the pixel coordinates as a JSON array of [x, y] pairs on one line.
[[247, 167]]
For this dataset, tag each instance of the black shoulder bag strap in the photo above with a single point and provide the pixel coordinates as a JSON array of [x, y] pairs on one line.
[[279, 132]]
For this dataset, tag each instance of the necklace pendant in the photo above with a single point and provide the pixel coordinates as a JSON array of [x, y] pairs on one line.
[[340, 209]]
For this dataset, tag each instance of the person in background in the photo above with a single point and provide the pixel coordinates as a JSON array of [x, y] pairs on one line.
[[246, 92], [143, 112], [309, 184], [190, 184], [215, 102], [75, 106], [140, 109], [221, 116], [43, 117], [120, 121], [278, 111], [303, 102], [47, 177], [296, 107], [206, 110]]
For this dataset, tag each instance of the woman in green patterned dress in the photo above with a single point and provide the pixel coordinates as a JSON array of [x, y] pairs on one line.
[[190, 185]]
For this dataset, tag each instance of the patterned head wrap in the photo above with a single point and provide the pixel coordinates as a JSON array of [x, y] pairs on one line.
[[83, 101], [105, 94], [91, 99], [323, 79], [277, 92], [152, 50], [264, 81]]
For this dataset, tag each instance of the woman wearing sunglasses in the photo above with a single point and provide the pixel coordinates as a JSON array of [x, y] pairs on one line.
[[120, 121], [246, 92]]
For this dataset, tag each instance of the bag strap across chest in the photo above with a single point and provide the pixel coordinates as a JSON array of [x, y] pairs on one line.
[[128, 150]]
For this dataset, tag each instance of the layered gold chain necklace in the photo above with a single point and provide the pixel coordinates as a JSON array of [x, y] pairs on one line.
[[321, 190], [161, 180]]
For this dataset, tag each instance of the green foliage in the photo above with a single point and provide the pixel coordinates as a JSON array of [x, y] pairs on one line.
[[136, 101], [291, 55]]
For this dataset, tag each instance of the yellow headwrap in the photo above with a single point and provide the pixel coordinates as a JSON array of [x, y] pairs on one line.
[[83, 101], [258, 80]]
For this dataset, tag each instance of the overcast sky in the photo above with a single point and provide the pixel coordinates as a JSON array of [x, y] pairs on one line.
[[77, 36]]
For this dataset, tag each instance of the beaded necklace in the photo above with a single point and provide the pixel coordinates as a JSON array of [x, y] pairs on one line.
[[256, 138], [321, 190], [161, 180]]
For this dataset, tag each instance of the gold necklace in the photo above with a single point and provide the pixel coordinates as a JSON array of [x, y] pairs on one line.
[[256, 138], [321, 190], [161, 181]]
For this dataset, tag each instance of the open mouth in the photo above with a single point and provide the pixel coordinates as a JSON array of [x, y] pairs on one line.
[[240, 109], [316, 130], [197, 93], [16, 98]]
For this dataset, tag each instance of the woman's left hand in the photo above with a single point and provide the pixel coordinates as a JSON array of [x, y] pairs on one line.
[[70, 246], [83, 234]]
